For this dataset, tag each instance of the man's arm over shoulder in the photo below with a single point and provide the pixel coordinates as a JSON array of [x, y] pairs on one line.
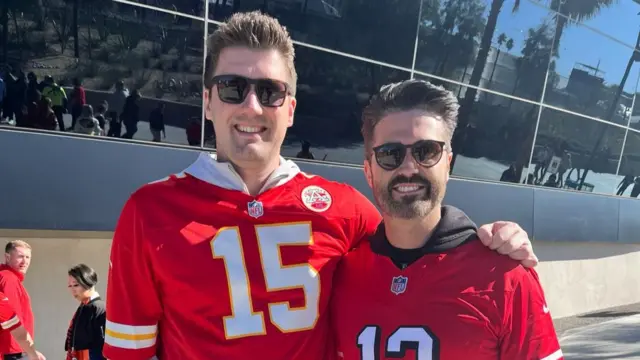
[[366, 219], [133, 304], [528, 331]]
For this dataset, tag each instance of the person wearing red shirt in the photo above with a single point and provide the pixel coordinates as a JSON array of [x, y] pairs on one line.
[[234, 257], [17, 260], [424, 286], [10, 323]]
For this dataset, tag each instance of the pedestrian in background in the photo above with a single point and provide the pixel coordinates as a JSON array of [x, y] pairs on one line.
[[85, 337], [17, 257]]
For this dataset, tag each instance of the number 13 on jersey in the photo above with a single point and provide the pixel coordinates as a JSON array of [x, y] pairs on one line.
[[243, 320], [404, 338]]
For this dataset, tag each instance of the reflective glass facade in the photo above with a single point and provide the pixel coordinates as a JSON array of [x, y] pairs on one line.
[[548, 88]]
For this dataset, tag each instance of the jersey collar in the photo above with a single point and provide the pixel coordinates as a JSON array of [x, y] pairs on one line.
[[14, 271], [222, 174]]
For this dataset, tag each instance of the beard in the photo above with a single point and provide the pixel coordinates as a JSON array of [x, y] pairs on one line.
[[407, 206]]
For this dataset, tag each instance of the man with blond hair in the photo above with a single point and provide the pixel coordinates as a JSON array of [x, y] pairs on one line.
[[17, 258], [234, 257]]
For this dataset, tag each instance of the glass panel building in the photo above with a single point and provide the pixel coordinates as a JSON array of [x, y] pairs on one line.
[[548, 88]]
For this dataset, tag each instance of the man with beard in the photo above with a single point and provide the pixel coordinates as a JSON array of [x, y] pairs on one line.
[[234, 258], [424, 287]]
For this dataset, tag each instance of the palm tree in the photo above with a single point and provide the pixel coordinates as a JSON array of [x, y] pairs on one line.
[[502, 38], [476, 75], [578, 10], [635, 57]]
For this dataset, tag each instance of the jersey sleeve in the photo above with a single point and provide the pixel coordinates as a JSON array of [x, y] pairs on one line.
[[528, 331], [8, 318], [366, 220], [10, 288], [133, 304]]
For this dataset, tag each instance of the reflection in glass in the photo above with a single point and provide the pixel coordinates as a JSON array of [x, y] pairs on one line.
[[614, 18], [588, 71], [563, 150], [154, 54], [332, 91], [634, 119], [497, 45], [382, 30], [189, 7], [496, 143], [630, 167]]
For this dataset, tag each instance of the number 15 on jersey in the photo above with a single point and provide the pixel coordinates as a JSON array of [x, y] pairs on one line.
[[243, 320]]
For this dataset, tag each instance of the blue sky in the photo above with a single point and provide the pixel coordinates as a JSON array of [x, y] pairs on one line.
[[581, 44]]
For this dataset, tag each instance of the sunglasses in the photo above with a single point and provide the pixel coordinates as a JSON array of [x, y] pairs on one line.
[[427, 153], [233, 89]]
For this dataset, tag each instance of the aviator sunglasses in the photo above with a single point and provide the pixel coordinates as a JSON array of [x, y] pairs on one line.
[[233, 89], [427, 153]]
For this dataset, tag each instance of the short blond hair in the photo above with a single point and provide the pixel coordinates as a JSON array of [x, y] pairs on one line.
[[13, 244], [253, 30]]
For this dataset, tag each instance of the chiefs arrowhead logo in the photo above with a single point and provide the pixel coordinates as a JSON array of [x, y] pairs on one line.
[[316, 198]]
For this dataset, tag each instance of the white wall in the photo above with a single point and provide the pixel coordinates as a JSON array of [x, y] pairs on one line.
[[585, 277], [595, 277]]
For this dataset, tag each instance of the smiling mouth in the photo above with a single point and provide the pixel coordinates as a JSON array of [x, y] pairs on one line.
[[408, 188], [250, 129]]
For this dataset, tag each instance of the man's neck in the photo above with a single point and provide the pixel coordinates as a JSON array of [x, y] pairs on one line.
[[412, 233], [256, 178]]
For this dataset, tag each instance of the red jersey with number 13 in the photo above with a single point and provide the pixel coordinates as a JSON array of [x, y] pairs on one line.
[[453, 299], [202, 270]]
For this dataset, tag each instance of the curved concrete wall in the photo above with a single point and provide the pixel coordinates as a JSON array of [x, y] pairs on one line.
[[63, 196], [80, 183]]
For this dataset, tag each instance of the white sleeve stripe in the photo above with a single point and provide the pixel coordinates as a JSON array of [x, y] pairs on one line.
[[9, 323], [555, 356], [130, 329], [128, 344]]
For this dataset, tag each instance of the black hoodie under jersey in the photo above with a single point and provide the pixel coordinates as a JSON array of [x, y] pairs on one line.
[[454, 229]]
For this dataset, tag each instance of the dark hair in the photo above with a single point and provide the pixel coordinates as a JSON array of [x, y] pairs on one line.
[[253, 30], [103, 107], [84, 275], [409, 95]]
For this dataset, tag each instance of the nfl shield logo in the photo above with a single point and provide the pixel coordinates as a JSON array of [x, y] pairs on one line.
[[399, 284], [255, 209]]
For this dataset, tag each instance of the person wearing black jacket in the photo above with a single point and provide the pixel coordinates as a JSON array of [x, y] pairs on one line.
[[85, 336]]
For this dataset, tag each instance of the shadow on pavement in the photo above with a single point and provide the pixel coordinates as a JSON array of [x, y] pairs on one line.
[[609, 314]]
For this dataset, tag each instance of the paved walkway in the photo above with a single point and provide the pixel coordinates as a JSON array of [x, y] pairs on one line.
[[613, 339]]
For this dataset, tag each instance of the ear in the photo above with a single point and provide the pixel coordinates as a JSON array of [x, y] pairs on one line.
[[367, 173], [292, 110], [208, 109], [449, 158]]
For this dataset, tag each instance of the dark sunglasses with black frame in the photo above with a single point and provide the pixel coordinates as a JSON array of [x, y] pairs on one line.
[[426, 153], [233, 89]]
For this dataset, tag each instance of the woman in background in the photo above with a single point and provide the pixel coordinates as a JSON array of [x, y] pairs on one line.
[[85, 337]]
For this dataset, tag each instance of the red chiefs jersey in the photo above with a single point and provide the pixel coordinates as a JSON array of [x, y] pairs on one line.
[[467, 302], [202, 270], [8, 318]]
